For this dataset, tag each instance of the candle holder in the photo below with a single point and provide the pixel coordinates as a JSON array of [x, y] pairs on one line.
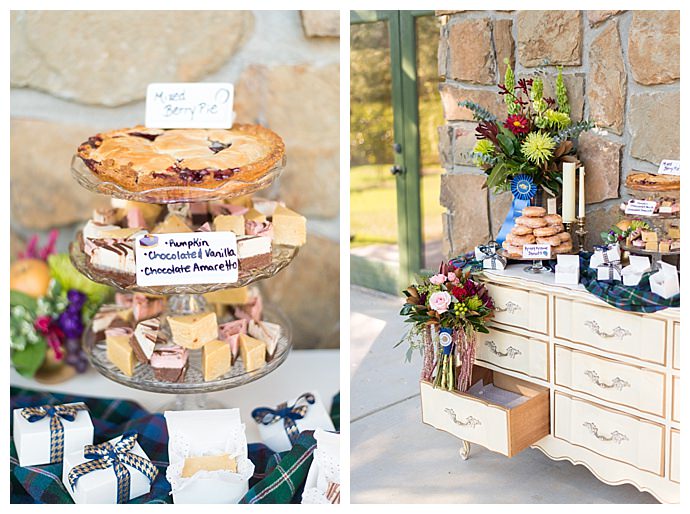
[[568, 225], [581, 233]]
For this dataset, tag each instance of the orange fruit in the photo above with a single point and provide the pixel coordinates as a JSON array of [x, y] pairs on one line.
[[30, 276]]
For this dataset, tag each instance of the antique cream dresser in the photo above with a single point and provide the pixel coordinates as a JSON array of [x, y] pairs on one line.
[[602, 384]]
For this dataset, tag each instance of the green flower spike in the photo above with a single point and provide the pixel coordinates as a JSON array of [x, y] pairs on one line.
[[562, 93]]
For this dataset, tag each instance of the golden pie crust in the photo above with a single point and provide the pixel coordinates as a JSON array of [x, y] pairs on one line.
[[140, 158], [649, 182]]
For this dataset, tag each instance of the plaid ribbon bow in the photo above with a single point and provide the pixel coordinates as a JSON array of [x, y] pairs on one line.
[[609, 264], [56, 413], [289, 415], [116, 455]]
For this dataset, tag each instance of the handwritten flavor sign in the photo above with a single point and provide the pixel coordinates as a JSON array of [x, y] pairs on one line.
[[640, 207], [189, 105], [190, 258], [669, 167], [536, 251]]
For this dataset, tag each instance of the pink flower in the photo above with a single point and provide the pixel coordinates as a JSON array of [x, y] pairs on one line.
[[437, 280], [440, 301], [452, 277]]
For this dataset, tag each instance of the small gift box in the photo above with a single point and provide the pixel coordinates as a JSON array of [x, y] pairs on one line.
[[610, 272], [605, 254], [208, 456], [112, 472], [45, 434], [568, 269], [323, 480], [632, 273], [494, 262], [481, 252], [665, 281], [280, 427]]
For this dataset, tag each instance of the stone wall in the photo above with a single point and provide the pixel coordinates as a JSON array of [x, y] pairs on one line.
[[621, 69], [75, 73]]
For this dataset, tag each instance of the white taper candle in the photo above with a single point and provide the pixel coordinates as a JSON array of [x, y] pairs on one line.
[[581, 194], [569, 192]]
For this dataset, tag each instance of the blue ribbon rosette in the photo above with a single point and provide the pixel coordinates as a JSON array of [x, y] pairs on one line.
[[523, 189], [445, 337]]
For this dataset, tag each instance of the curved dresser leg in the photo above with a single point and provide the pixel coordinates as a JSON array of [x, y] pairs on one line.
[[465, 450]]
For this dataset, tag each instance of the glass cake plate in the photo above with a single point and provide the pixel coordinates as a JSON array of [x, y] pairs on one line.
[[194, 383], [537, 265], [282, 256], [173, 194]]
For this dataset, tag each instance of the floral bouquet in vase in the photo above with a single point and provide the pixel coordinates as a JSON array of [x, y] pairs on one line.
[[453, 307], [523, 152]]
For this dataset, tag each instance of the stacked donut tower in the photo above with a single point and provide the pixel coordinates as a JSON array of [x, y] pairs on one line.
[[537, 227]]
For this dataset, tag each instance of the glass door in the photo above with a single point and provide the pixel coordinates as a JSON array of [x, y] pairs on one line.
[[385, 204]]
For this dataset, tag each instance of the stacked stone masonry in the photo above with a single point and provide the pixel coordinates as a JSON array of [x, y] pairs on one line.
[[621, 69]]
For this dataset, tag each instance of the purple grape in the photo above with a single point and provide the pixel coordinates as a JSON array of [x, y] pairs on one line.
[[72, 359], [76, 298], [81, 365]]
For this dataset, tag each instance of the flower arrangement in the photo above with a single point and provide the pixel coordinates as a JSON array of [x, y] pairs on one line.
[[456, 307], [536, 136], [49, 304], [622, 230]]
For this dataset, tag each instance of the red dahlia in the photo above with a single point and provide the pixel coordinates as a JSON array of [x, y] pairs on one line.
[[517, 124]]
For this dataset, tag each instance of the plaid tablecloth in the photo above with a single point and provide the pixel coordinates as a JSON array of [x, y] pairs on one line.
[[278, 477], [628, 298]]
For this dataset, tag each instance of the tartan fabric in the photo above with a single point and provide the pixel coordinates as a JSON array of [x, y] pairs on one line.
[[638, 298], [56, 414], [278, 477]]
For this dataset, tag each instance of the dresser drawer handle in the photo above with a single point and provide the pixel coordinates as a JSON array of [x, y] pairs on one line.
[[511, 352], [469, 420], [618, 332], [615, 436], [511, 307], [616, 383]]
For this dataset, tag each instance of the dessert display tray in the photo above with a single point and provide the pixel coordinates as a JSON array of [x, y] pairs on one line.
[[282, 256], [643, 251], [145, 380], [164, 195]]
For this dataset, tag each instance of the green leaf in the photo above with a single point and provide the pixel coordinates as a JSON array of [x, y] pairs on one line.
[[506, 144], [27, 361], [26, 301]]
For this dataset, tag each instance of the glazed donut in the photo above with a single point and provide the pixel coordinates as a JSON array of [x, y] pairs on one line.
[[565, 237], [533, 211], [520, 240], [549, 230], [553, 219], [551, 240], [530, 222], [520, 230], [563, 248], [514, 252]]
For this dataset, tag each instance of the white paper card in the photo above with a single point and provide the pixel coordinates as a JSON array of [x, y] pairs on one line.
[[669, 167], [640, 207], [100, 486], [32, 440], [189, 105], [536, 251], [187, 258], [665, 282]]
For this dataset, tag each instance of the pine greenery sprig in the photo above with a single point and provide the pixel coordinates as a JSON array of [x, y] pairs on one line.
[[573, 131], [479, 113], [562, 93]]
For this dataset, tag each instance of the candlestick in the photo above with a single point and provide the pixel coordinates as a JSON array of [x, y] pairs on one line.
[[569, 192], [581, 233], [581, 195]]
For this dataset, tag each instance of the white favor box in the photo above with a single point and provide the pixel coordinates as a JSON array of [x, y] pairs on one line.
[[32, 440], [207, 432], [100, 486], [609, 272], [324, 468], [665, 281], [568, 269], [496, 262], [613, 253], [274, 435], [632, 273]]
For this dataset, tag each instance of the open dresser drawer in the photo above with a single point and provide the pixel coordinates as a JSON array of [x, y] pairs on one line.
[[476, 419]]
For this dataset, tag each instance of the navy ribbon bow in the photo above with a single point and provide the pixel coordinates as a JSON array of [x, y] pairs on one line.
[[268, 416], [56, 413], [106, 455]]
